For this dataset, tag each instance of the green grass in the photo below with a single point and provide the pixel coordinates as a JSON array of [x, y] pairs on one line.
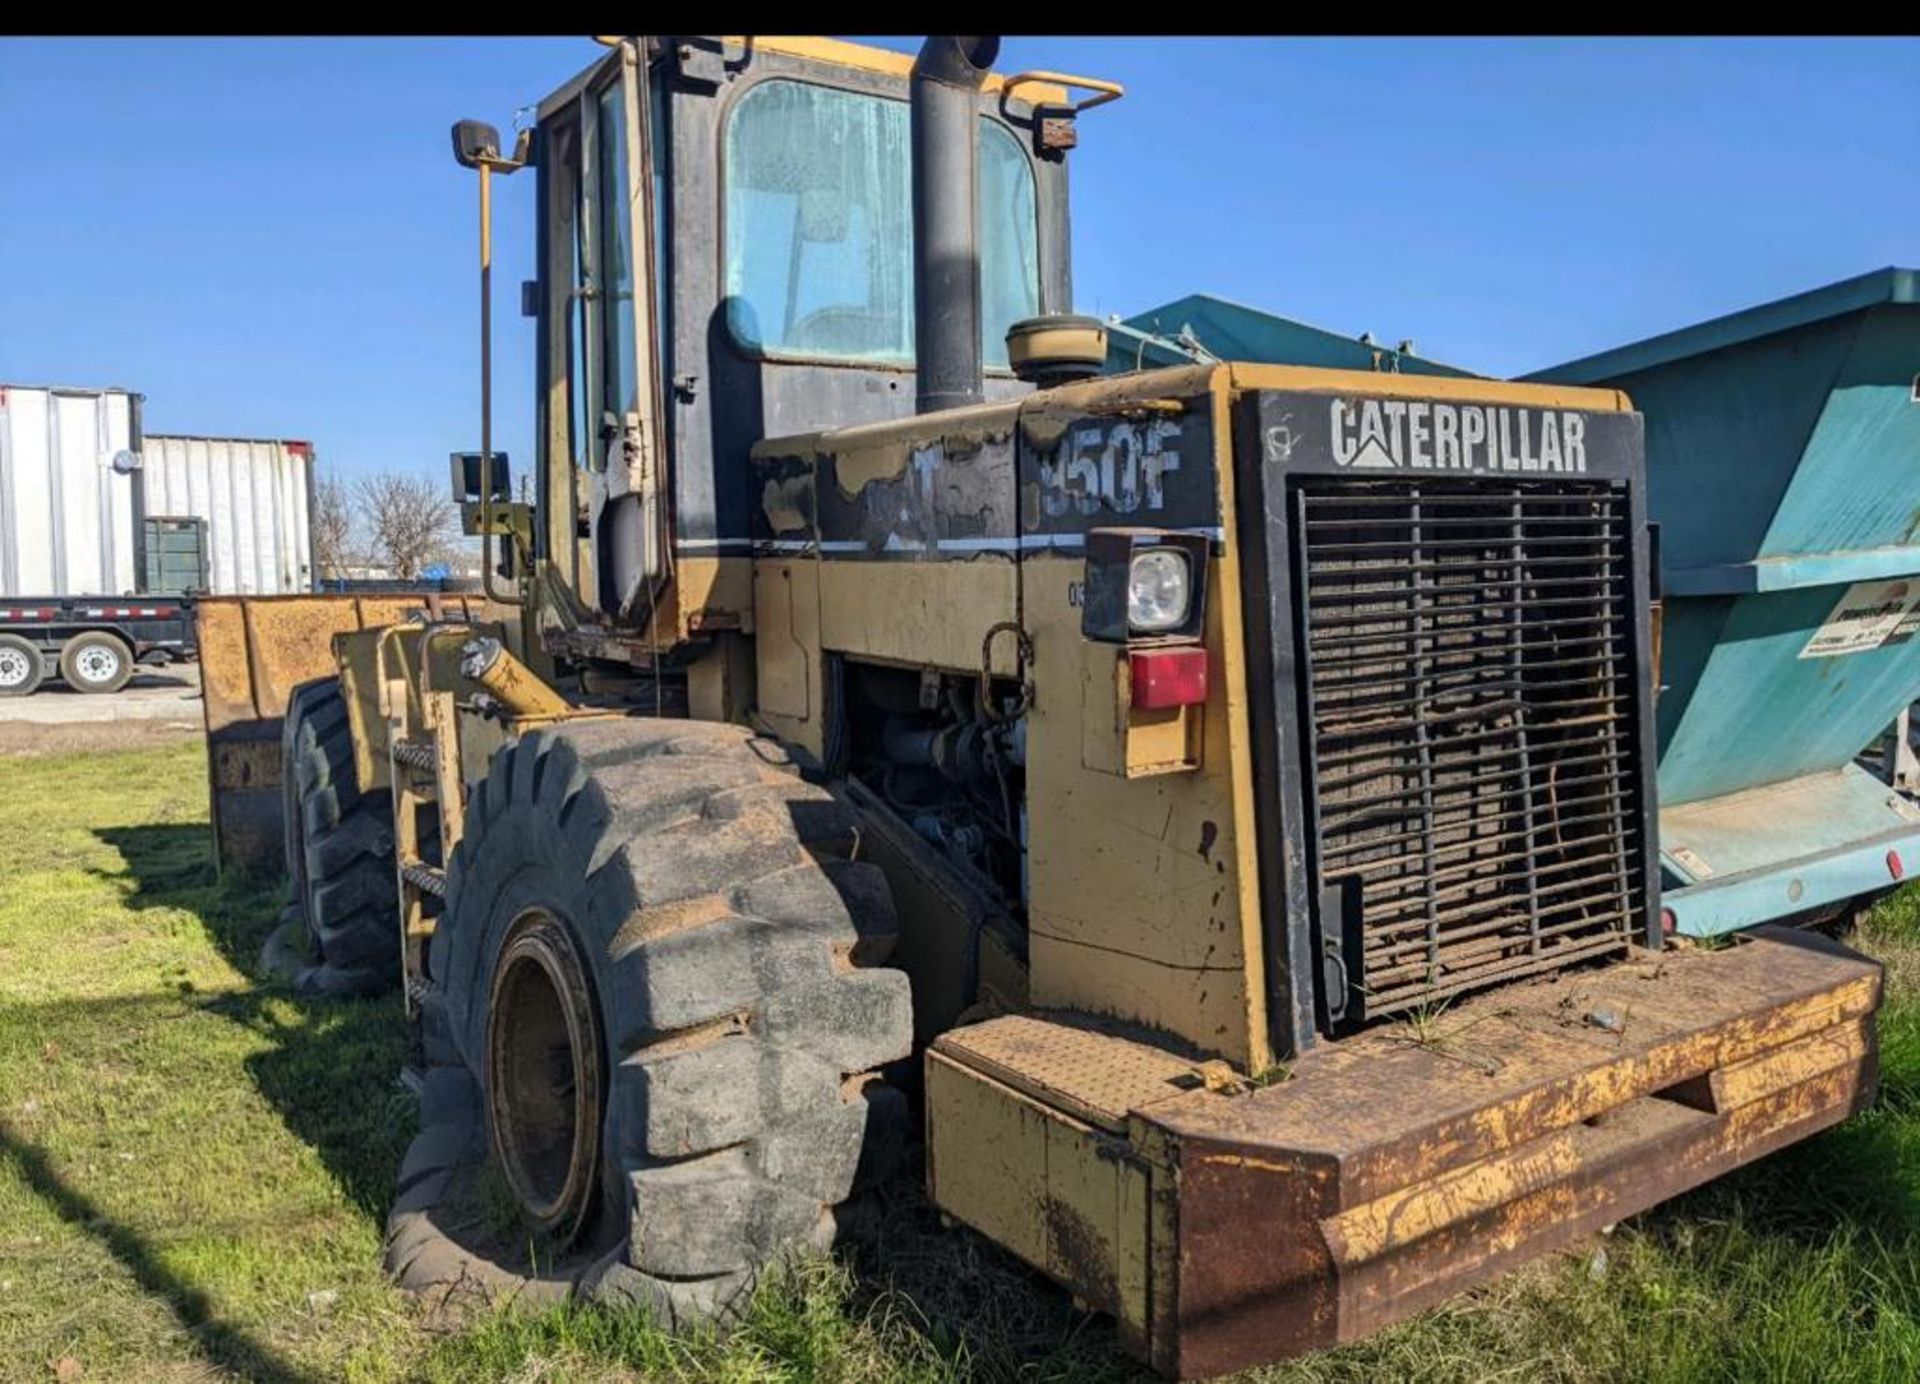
[[186, 1157]]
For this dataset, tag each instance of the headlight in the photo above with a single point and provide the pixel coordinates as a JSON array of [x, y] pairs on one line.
[[1159, 590], [1143, 584]]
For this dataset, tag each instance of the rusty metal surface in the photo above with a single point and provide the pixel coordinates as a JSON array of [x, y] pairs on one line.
[[1400, 1166], [254, 650], [1470, 666], [1540, 1051], [1074, 1064]]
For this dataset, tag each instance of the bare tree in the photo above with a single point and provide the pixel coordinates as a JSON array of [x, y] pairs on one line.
[[332, 527], [410, 524]]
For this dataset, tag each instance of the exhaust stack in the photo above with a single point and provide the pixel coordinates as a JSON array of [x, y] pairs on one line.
[[946, 253]]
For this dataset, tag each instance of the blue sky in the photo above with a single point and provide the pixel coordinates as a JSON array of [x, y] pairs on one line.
[[270, 237]]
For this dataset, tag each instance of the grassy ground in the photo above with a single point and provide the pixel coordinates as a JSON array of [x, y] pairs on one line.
[[193, 1173]]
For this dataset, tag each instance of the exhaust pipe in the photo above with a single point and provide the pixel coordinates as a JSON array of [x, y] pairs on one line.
[[945, 91]]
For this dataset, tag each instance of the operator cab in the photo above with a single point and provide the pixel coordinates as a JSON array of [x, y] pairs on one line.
[[769, 183]]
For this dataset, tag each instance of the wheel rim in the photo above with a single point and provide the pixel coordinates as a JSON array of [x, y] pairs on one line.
[[14, 668], [544, 1075], [97, 663]]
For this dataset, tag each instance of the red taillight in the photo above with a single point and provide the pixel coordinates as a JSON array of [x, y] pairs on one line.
[[1667, 921], [1165, 678], [1895, 866]]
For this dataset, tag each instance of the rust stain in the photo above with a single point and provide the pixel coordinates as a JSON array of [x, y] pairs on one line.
[[1077, 1253]]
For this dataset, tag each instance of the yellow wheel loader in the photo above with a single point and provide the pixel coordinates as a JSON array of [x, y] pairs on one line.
[[1207, 813]]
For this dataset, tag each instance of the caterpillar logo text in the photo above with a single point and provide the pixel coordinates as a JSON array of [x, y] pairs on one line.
[[1428, 435]]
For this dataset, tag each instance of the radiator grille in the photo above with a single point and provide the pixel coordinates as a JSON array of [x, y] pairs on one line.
[[1472, 749]]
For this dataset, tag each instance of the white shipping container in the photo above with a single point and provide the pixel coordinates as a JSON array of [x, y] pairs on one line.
[[66, 508], [252, 492]]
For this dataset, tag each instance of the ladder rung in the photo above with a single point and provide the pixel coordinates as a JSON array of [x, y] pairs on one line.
[[424, 877]]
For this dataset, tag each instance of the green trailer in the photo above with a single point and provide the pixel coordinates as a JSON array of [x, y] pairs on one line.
[[1783, 461]]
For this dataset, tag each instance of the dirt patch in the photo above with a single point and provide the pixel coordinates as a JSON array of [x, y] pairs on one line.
[[39, 738]]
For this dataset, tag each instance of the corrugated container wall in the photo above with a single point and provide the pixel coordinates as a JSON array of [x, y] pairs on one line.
[[253, 493], [67, 512]]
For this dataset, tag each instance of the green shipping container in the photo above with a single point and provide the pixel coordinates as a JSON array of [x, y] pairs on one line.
[[176, 552]]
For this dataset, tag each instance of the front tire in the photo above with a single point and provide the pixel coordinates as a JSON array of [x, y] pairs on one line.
[[339, 851], [96, 661], [655, 1020]]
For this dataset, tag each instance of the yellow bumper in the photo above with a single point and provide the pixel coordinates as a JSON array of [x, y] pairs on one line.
[[1225, 1226]]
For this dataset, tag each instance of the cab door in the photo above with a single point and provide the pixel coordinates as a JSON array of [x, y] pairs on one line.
[[604, 464]]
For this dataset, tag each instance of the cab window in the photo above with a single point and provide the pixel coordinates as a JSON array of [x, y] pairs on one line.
[[612, 257], [1009, 239], [819, 227]]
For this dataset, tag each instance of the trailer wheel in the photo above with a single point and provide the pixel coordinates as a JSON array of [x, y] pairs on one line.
[[21, 668], [654, 1025], [96, 661], [339, 850]]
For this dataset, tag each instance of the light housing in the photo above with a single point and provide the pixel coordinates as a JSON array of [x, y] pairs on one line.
[[1160, 679], [1109, 610]]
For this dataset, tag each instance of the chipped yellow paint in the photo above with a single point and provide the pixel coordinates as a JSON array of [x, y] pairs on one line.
[[1608, 1085], [1772, 1072], [1250, 1163], [1048, 415], [973, 420], [1381, 1226], [707, 593], [923, 614], [1145, 898], [704, 595], [1318, 1210], [784, 502], [856, 467]]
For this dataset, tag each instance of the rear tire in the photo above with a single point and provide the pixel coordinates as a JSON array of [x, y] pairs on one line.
[[654, 1025], [22, 670], [339, 850], [96, 661]]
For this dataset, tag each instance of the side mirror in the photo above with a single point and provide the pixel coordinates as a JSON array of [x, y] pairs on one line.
[[466, 478], [474, 141]]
